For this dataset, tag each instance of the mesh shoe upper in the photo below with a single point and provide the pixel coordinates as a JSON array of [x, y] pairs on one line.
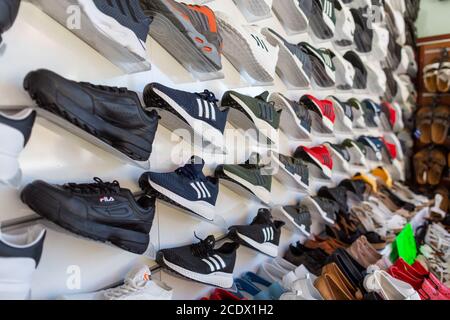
[[301, 215], [296, 166]]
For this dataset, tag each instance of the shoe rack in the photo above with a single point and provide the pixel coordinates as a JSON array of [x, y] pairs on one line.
[[431, 50], [60, 156]]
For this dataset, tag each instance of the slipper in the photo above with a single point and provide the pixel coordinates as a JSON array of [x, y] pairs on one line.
[[424, 118], [430, 77], [437, 164], [420, 161], [439, 128], [443, 78]]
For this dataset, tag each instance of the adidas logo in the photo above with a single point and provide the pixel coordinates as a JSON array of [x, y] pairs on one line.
[[327, 60], [260, 42], [206, 110], [202, 191], [268, 234], [328, 8], [215, 263]]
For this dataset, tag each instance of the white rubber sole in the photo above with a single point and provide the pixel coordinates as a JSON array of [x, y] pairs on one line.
[[239, 52], [291, 220], [267, 248], [289, 68], [201, 208], [263, 127], [260, 192], [110, 28], [254, 9], [218, 279], [310, 203], [202, 128], [291, 17]]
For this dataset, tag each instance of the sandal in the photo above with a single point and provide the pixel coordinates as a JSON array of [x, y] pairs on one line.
[[437, 164], [430, 77], [443, 78], [439, 128], [424, 119], [420, 161]]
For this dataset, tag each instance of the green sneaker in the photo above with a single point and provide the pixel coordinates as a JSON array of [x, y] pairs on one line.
[[261, 112], [251, 177]]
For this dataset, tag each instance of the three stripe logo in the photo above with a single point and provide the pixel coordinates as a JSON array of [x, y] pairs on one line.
[[202, 191], [260, 42], [268, 234], [327, 60], [215, 263], [328, 8], [206, 110]]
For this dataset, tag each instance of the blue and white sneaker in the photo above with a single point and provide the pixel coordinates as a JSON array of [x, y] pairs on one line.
[[187, 188], [199, 110], [374, 147]]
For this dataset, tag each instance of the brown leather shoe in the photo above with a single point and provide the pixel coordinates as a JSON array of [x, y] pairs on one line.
[[420, 161], [333, 285], [440, 125], [424, 118], [363, 252], [328, 245]]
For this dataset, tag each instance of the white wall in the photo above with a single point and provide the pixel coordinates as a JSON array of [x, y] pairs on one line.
[[433, 18]]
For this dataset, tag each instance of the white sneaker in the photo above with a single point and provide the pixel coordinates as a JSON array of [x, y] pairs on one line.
[[388, 287], [248, 50], [300, 285], [255, 10], [345, 72], [271, 272], [345, 25], [15, 131], [138, 286], [291, 15], [20, 253]]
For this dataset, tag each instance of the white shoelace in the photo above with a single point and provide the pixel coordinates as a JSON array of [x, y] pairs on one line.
[[128, 287]]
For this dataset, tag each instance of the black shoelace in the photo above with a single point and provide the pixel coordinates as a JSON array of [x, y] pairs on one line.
[[208, 96], [98, 187], [204, 248], [188, 171]]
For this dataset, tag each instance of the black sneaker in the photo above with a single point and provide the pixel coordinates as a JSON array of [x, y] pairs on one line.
[[101, 211], [300, 216], [312, 261], [113, 115], [8, 14], [326, 208], [323, 19], [201, 262], [363, 34], [357, 187], [324, 70], [360, 79], [340, 154], [337, 194], [263, 234]]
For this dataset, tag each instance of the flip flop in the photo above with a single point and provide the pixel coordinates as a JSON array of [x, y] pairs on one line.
[[437, 164], [424, 118], [441, 122], [420, 161]]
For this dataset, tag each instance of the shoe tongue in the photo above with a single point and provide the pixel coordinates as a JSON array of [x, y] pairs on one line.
[[195, 165], [210, 241], [140, 274], [263, 96], [263, 217]]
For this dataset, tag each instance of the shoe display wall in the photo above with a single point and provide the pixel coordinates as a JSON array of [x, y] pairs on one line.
[[289, 96]]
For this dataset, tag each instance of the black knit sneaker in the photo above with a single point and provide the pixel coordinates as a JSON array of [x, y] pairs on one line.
[[337, 194], [263, 234], [300, 216], [201, 262], [326, 208], [113, 115], [8, 14], [295, 168], [101, 211]]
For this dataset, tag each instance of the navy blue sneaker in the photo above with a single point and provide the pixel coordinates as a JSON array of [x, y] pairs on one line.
[[371, 113], [374, 147], [199, 110], [187, 187]]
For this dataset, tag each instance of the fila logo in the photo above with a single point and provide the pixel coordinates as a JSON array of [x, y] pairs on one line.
[[206, 110], [202, 191], [268, 234], [215, 263], [107, 199], [328, 8], [260, 42]]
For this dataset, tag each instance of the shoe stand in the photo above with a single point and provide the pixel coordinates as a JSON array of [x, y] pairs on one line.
[[59, 155], [121, 56]]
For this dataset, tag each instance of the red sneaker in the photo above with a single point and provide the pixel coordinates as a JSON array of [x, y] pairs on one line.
[[220, 294], [319, 155], [389, 112], [391, 148], [324, 108]]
